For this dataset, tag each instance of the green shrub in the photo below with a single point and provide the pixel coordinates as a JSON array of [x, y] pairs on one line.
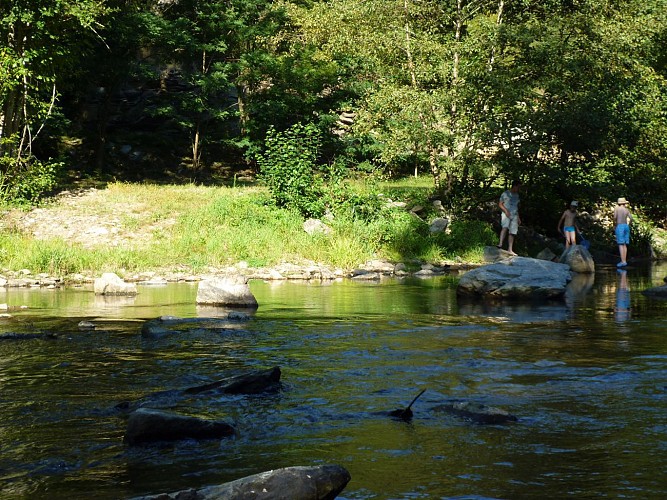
[[25, 181], [288, 167]]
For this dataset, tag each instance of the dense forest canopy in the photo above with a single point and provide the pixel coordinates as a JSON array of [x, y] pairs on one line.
[[569, 96]]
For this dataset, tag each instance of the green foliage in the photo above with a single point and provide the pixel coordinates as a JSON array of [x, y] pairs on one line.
[[27, 181], [288, 167], [642, 240]]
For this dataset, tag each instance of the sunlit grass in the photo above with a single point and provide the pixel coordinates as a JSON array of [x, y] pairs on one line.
[[201, 227]]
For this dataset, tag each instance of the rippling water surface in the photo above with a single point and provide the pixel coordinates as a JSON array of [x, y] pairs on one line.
[[586, 378]]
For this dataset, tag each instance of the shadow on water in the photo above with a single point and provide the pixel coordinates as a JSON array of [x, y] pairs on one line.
[[585, 376]]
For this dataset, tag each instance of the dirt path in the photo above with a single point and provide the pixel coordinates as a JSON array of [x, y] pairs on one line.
[[75, 216]]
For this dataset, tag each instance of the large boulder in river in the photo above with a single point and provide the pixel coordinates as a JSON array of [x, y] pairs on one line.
[[578, 258], [227, 291], [517, 278], [112, 284], [323, 482], [147, 425]]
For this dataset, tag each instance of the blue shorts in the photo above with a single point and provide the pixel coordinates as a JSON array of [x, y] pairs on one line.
[[623, 234], [569, 229]]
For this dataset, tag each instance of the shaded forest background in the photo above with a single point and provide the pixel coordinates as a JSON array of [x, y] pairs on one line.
[[567, 95]]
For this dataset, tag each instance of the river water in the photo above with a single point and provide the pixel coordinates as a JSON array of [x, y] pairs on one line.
[[586, 378]]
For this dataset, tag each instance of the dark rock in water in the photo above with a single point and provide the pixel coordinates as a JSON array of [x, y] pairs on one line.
[[478, 413], [290, 483], [656, 291], [250, 383], [146, 425]]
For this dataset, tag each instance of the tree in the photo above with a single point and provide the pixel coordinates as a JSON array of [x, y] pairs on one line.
[[426, 65], [219, 49], [40, 41]]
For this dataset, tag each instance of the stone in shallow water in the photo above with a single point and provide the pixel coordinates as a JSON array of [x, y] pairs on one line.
[[147, 425], [517, 278]]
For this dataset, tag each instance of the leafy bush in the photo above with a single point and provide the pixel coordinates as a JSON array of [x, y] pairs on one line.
[[24, 181], [288, 167]]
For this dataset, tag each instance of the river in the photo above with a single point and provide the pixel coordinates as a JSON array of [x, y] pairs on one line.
[[586, 378]]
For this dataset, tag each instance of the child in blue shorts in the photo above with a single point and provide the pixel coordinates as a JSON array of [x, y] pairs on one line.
[[622, 218], [568, 225]]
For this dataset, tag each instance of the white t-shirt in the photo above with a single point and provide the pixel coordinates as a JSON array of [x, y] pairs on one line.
[[511, 202]]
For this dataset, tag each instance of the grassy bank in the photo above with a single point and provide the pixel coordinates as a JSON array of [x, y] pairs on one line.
[[197, 227]]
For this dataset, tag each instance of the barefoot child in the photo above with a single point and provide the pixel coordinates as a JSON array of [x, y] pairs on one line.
[[568, 225], [622, 218]]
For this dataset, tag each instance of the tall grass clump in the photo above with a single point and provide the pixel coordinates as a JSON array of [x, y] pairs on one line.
[[235, 226], [55, 257]]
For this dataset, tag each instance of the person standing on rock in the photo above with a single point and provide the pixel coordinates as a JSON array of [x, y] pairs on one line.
[[622, 218], [509, 219], [568, 226]]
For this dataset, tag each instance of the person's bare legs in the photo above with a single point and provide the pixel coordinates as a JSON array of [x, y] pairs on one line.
[[623, 250], [503, 233], [570, 239], [510, 244]]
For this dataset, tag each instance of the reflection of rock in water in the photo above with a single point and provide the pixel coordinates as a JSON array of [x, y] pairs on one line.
[[581, 284], [516, 312]]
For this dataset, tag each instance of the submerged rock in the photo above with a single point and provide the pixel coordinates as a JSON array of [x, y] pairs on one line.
[[476, 412], [323, 482], [147, 425], [164, 326], [251, 383]]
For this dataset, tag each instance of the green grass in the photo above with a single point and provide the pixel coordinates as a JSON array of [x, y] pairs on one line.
[[200, 227]]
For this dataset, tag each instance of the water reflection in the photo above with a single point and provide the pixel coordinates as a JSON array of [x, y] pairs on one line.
[[516, 312], [531, 312], [622, 307], [580, 285]]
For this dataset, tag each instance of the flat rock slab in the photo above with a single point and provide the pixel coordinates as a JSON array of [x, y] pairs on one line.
[[517, 278], [290, 483]]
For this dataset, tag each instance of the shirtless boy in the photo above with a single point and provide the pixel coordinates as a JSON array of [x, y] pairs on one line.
[[622, 218], [568, 226]]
